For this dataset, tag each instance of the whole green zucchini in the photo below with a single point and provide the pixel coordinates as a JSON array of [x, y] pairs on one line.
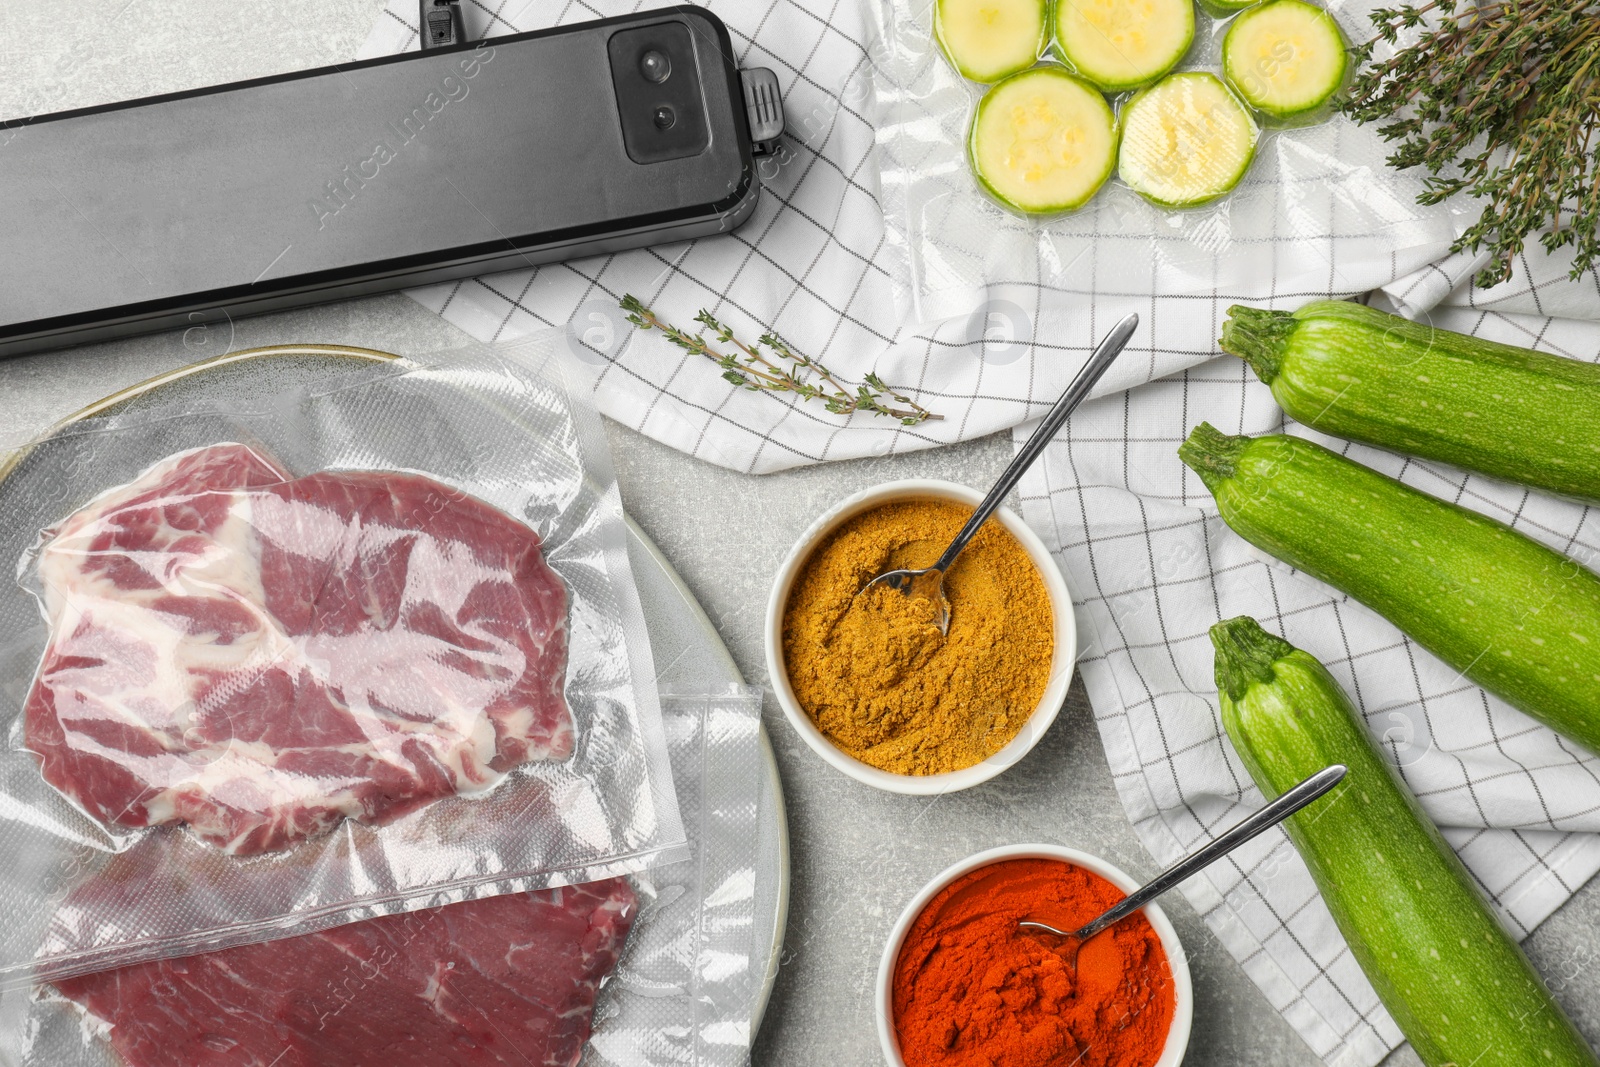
[[1511, 615], [1460, 989], [1358, 373]]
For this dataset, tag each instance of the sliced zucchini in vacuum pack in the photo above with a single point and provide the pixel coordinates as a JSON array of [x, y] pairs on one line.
[[1225, 9], [1043, 141], [1285, 57], [986, 40], [1185, 140], [1124, 44]]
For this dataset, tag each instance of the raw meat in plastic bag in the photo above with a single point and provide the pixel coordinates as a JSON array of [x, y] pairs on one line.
[[512, 431], [683, 993], [260, 656], [503, 980]]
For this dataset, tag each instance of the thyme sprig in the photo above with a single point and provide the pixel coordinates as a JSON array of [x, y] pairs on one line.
[[771, 366], [1500, 101]]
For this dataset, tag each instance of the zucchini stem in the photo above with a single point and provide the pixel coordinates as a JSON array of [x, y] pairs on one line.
[[1245, 654], [1258, 337], [1212, 454]]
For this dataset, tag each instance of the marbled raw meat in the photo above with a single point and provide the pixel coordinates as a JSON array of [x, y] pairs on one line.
[[260, 656], [506, 980]]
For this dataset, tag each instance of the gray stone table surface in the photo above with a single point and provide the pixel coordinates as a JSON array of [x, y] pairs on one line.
[[858, 854]]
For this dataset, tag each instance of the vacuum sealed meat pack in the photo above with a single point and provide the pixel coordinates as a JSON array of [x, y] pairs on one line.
[[316, 636], [655, 969]]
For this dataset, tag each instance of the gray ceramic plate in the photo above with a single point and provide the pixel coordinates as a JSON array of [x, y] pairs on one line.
[[687, 650]]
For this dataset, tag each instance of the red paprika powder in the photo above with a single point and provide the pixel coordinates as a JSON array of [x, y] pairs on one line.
[[972, 990]]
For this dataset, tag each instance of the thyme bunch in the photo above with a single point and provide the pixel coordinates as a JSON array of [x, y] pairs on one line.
[[771, 366], [1500, 100]]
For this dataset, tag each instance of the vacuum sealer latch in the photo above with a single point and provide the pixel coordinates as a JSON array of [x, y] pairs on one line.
[[441, 25], [763, 105]]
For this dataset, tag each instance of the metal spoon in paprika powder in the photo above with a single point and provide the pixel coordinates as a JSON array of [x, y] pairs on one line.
[[1271, 815]]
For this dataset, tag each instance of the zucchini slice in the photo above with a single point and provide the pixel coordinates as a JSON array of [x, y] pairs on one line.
[[1287, 58], [1042, 142], [986, 40], [1186, 140], [1124, 44], [1225, 9]]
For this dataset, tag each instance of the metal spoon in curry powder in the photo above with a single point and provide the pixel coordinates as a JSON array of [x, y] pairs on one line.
[[928, 583]]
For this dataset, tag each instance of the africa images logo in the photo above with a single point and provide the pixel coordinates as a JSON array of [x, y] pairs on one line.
[[342, 190]]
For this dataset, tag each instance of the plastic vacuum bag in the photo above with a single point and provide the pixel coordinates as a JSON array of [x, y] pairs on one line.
[[682, 993], [1317, 207], [403, 625]]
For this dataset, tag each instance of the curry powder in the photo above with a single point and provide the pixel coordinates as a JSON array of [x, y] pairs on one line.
[[876, 675]]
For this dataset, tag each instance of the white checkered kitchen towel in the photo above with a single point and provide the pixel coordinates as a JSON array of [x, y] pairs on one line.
[[870, 259], [890, 261]]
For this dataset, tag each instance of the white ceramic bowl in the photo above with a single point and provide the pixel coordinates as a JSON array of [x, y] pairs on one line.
[[1055, 690], [1183, 989]]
